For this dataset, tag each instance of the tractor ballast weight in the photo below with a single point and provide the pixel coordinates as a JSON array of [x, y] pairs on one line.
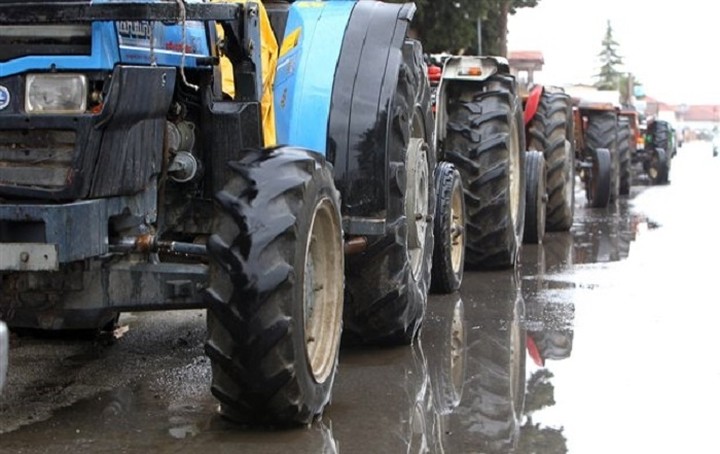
[[130, 181]]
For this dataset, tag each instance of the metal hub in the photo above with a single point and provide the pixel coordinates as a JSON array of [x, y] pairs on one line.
[[457, 230], [323, 290], [513, 175], [417, 199]]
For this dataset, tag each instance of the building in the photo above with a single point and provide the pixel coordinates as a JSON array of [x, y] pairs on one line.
[[524, 64]]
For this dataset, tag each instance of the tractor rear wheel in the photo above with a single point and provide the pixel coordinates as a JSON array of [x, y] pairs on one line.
[[602, 133], [275, 297], [598, 189], [625, 146], [551, 131], [486, 142], [388, 284], [658, 167], [662, 140]]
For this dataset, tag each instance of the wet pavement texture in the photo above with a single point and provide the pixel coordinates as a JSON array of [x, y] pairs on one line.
[[607, 334]]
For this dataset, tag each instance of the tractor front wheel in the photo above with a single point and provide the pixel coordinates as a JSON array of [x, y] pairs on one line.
[[536, 197], [449, 228], [275, 298]]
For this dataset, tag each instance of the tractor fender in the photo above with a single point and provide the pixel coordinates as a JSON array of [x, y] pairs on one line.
[[468, 71], [360, 125], [305, 73], [532, 104], [337, 72]]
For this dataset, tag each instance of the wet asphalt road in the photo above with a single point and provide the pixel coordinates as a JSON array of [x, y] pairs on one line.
[[623, 310]]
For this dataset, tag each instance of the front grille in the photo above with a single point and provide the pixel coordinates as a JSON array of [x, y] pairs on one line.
[[36, 158], [24, 40]]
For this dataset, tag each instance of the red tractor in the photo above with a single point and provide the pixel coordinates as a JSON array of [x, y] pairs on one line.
[[550, 163]]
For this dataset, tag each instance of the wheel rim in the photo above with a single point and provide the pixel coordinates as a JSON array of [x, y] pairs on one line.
[[457, 353], [323, 290], [457, 229], [594, 178], [541, 200], [568, 190], [417, 201], [513, 166], [653, 170], [517, 378]]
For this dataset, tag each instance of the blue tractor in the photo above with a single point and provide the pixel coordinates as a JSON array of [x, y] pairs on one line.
[[295, 202]]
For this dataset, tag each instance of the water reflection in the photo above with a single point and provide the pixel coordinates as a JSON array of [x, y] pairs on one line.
[[547, 291], [487, 418], [403, 395], [391, 389], [550, 312], [605, 236]]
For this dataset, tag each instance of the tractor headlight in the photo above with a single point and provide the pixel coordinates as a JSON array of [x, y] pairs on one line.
[[55, 93]]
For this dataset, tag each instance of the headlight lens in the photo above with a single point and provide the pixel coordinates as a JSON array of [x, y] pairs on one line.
[[55, 93]]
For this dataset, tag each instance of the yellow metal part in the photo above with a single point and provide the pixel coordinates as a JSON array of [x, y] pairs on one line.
[[290, 42], [269, 55]]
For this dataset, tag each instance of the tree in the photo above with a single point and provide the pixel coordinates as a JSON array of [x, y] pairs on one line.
[[610, 59], [451, 26], [495, 25]]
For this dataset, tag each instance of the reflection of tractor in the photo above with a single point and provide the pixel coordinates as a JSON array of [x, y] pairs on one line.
[[130, 181], [479, 131]]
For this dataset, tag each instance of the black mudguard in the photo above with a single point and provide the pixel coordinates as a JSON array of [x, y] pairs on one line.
[[358, 126]]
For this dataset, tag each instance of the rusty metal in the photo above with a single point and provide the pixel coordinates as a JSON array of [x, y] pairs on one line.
[[356, 245], [145, 243]]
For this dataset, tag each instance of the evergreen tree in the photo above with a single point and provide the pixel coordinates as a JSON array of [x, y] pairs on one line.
[[610, 59]]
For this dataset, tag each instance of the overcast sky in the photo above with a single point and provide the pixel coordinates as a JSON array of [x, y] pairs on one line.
[[673, 47]]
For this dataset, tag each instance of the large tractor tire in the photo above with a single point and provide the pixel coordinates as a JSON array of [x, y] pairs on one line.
[[535, 197], [275, 297], [551, 131], [625, 145], [661, 140], [449, 228], [601, 132], [486, 142], [389, 283], [598, 189]]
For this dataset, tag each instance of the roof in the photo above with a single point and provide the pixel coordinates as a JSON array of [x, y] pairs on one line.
[[701, 113], [526, 55]]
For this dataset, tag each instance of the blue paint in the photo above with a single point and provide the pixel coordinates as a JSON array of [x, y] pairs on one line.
[[104, 54], [110, 47], [305, 75]]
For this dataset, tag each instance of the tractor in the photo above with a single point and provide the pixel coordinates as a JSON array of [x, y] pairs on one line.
[[596, 149], [272, 163], [480, 143], [628, 137], [549, 125], [659, 146]]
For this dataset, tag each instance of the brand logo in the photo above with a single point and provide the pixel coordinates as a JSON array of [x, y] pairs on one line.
[[4, 97]]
